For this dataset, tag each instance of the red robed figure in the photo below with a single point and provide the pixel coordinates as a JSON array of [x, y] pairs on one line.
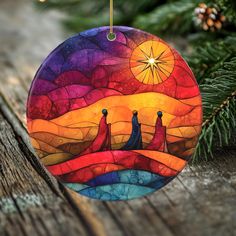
[[159, 139], [102, 142]]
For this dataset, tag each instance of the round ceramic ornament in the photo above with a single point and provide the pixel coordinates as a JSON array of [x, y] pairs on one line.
[[114, 120]]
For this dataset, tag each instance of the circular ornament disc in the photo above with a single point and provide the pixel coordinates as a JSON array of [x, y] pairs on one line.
[[114, 120]]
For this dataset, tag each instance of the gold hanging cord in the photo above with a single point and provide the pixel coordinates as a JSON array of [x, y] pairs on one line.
[[111, 16], [111, 36]]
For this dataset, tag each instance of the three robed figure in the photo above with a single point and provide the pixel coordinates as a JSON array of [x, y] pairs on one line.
[[102, 142]]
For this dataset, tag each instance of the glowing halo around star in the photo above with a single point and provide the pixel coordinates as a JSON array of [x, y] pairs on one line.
[[152, 62]]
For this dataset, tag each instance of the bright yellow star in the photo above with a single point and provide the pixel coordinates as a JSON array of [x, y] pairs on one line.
[[152, 62]]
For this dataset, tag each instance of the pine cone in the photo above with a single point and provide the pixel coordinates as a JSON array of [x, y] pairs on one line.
[[208, 18]]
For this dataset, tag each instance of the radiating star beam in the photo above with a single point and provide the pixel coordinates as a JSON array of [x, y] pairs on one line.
[[153, 55]]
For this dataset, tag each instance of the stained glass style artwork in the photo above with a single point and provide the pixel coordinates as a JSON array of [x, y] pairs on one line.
[[114, 120]]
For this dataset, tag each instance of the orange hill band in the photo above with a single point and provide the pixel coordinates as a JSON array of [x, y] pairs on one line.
[[63, 137]]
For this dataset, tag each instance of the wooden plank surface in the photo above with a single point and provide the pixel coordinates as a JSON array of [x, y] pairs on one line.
[[200, 201]]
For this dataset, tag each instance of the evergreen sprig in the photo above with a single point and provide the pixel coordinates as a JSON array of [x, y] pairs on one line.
[[168, 18], [218, 131], [210, 56], [214, 64], [219, 104], [89, 14]]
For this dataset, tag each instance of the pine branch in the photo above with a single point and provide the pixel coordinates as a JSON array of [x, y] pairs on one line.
[[170, 17], [88, 14], [214, 64], [210, 56], [220, 129], [219, 103]]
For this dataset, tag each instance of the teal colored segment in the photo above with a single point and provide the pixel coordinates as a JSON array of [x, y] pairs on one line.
[[119, 191], [138, 177], [76, 186]]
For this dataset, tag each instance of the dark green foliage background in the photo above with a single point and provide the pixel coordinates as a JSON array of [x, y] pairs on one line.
[[211, 55]]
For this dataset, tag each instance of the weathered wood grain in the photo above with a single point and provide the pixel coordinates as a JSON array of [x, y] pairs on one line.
[[34, 204], [200, 201]]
